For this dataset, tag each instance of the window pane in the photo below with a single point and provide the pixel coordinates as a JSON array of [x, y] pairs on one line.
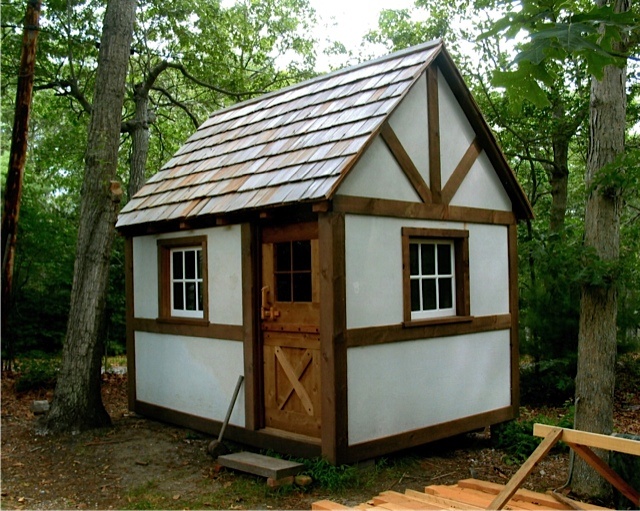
[[200, 297], [429, 294], [445, 293], [302, 287], [190, 264], [178, 298], [415, 294], [444, 259], [283, 287], [301, 255], [199, 263], [283, 256], [177, 264], [428, 259], [414, 268], [190, 291]]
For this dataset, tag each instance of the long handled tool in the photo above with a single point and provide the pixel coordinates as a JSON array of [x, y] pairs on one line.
[[215, 446]]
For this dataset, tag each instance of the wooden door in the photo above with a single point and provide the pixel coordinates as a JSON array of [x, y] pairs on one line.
[[290, 319]]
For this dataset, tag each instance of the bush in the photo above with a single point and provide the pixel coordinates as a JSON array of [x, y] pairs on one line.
[[516, 437], [550, 382], [38, 371]]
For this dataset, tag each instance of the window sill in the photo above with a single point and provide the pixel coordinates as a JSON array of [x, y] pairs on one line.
[[183, 321], [437, 321]]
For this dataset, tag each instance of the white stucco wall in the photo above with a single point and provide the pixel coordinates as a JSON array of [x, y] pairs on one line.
[[410, 124], [398, 387], [377, 174], [224, 264], [373, 252], [456, 134], [190, 374], [482, 188]]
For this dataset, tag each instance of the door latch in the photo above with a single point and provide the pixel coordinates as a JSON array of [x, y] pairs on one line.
[[267, 311]]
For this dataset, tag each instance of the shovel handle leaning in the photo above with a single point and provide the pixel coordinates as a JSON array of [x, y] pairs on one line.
[[231, 405]]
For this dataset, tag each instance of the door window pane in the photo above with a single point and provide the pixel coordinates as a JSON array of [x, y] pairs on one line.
[[293, 271]]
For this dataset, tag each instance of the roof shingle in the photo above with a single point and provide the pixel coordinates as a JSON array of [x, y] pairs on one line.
[[287, 146]]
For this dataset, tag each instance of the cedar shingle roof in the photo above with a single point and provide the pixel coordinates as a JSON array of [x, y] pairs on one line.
[[284, 147]]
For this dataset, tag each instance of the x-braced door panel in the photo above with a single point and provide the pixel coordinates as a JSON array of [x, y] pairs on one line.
[[290, 316]]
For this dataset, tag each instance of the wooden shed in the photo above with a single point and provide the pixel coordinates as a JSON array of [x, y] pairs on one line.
[[348, 244]]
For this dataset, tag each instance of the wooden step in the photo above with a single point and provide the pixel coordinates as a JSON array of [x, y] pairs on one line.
[[261, 465]]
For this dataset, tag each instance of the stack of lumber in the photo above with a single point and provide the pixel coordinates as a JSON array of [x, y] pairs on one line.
[[467, 494]]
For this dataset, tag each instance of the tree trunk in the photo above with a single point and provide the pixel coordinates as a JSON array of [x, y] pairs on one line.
[[17, 161], [77, 402], [598, 306], [139, 140]]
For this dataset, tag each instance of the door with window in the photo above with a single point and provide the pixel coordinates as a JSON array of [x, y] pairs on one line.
[[290, 319]]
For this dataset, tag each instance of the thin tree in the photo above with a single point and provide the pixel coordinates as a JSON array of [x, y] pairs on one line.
[[77, 402], [17, 160], [597, 340]]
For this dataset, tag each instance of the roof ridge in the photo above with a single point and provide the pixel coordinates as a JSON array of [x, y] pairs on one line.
[[327, 76]]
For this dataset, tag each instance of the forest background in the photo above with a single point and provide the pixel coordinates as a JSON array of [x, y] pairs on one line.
[[190, 58]]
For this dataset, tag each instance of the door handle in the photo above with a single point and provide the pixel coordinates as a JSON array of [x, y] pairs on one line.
[[267, 311]]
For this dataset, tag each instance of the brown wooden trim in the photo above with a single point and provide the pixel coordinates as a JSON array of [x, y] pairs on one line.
[[186, 329], [290, 232], [461, 171], [514, 310], [130, 331], [370, 336], [260, 439], [406, 163], [433, 116], [251, 342], [394, 443], [164, 295], [333, 324], [402, 209]]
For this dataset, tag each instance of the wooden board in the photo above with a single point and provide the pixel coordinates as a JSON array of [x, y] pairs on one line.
[[260, 465], [466, 494]]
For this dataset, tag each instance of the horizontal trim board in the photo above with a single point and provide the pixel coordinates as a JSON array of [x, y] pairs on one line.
[[394, 443], [417, 210], [208, 330], [370, 336], [260, 438]]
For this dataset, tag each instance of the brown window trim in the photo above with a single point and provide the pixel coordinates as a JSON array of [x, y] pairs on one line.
[[460, 240], [164, 277]]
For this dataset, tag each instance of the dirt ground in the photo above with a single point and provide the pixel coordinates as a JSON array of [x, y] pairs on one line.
[[143, 464]]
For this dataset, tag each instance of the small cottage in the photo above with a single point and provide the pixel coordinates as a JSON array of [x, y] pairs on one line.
[[348, 245]]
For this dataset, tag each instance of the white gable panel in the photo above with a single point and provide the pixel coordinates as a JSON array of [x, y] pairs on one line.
[[482, 188], [411, 126], [456, 134], [378, 175]]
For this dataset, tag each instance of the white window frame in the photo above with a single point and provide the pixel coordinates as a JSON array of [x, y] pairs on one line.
[[184, 281], [458, 240], [439, 311]]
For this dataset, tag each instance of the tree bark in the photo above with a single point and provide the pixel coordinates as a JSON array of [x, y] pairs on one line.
[[17, 161], [597, 340], [77, 402]]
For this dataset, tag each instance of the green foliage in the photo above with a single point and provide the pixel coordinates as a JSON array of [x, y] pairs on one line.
[[559, 32], [548, 382], [332, 478], [516, 437], [37, 370]]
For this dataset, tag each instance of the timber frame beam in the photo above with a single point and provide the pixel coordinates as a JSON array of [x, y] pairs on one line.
[[581, 442]]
